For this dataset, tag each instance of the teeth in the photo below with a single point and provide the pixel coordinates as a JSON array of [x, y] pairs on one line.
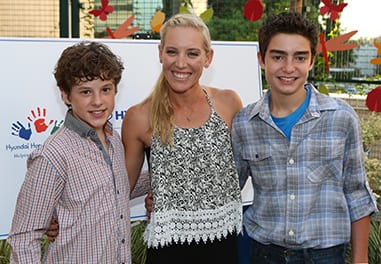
[[180, 75], [287, 79]]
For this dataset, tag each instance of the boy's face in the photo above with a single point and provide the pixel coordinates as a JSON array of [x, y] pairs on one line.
[[287, 61], [92, 102]]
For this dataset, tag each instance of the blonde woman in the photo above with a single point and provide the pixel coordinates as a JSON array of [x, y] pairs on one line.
[[184, 128]]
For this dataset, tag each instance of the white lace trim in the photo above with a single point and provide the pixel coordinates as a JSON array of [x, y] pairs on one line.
[[187, 226]]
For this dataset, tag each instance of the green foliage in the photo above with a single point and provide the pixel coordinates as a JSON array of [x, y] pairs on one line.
[[5, 252], [370, 129], [273, 7], [187, 6], [88, 19], [138, 247], [374, 254], [233, 29], [323, 89], [371, 132], [373, 173], [229, 24], [207, 15]]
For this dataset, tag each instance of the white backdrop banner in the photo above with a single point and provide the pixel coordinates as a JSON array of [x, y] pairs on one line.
[[32, 109]]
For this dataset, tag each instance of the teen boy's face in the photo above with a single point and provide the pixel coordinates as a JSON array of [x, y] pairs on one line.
[[92, 102], [287, 61]]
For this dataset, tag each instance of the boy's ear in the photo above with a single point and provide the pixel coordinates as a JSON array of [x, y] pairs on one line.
[[312, 62], [260, 60], [65, 97]]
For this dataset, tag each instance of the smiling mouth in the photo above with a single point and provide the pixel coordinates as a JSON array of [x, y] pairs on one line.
[[97, 113], [180, 75], [288, 79]]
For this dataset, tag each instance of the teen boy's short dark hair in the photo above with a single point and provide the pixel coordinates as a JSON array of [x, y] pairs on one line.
[[87, 61], [288, 23]]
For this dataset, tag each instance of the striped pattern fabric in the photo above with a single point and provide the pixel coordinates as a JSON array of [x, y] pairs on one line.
[[73, 178]]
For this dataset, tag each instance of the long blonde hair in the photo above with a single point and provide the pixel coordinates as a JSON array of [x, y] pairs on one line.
[[161, 113]]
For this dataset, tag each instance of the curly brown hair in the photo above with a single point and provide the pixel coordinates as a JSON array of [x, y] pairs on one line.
[[87, 61]]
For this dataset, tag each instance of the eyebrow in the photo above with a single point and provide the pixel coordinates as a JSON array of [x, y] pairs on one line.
[[285, 53], [174, 47]]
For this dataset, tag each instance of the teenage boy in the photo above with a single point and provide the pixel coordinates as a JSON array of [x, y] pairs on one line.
[[304, 152], [78, 176]]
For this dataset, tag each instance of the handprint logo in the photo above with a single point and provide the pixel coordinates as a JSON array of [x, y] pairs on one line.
[[36, 117], [56, 127], [19, 130], [39, 120]]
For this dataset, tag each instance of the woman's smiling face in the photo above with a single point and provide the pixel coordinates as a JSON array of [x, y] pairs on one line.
[[183, 58]]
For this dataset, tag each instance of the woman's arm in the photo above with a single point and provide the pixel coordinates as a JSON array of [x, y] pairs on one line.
[[134, 127]]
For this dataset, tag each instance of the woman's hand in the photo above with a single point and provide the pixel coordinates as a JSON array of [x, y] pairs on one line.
[[148, 203], [53, 230]]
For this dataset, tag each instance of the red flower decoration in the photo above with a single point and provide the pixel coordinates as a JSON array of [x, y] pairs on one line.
[[373, 100], [103, 11], [332, 9], [253, 10], [335, 44], [123, 30]]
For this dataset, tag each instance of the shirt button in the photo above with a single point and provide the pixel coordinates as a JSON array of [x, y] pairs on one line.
[[291, 233], [123, 241], [117, 191], [121, 216], [291, 161], [292, 197]]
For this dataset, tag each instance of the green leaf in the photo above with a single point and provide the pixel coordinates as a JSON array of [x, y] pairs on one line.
[[207, 15], [184, 10], [323, 89]]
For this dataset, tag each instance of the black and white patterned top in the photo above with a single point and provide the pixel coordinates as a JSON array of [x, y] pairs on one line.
[[195, 185]]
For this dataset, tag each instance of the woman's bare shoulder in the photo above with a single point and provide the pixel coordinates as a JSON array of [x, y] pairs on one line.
[[228, 97], [136, 117], [140, 110]]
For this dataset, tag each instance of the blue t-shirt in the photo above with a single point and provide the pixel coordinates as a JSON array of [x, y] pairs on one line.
[[287, 123]]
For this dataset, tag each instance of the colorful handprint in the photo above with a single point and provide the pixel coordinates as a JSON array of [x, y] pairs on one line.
[[19, 130], [39, 120], [56, 126]]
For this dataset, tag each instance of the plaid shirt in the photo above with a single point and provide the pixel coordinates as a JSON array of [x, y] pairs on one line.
[[308, 190], [72, 177]]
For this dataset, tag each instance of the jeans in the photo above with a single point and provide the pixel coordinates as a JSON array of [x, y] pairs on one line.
[[272, 254], [244, 244]]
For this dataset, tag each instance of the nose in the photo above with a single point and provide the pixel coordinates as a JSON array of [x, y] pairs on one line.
[[288, 65], [180, 61], [97, 98]]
